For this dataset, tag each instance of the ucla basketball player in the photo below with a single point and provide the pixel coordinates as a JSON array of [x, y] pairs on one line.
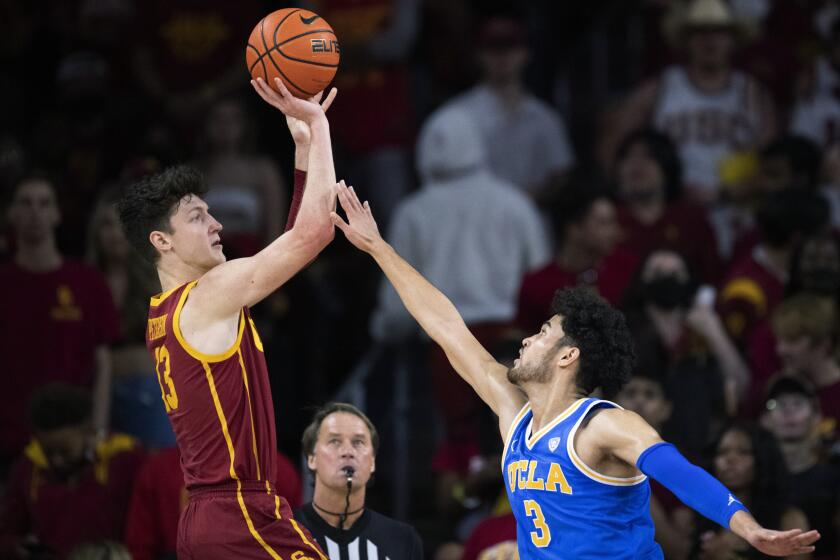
[[575, 467]]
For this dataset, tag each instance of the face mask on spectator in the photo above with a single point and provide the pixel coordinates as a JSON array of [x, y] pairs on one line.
[[668, 292]]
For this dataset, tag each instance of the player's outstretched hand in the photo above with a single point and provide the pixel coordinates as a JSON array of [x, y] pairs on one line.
[[783, 543], [360, 228], [301, 109]]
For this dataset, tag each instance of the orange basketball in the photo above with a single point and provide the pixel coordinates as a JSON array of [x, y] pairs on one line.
[[297, 46]]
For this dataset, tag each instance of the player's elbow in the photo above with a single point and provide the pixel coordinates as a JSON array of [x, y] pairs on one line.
[[314, 236]]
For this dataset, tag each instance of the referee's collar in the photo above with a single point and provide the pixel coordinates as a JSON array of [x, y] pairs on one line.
[[320, 525]]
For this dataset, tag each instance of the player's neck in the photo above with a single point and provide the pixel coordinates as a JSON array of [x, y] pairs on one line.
[[40, 257], [331, 504], [174, 275], [549, 400]]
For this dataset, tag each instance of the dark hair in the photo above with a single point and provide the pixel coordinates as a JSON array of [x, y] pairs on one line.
[[58, 405], [30, 176], [310, 434], [770, 488], [147, 205], [572, 196], [796, 283], [600, 332], [662, 150], [784, 214], [802, 154]]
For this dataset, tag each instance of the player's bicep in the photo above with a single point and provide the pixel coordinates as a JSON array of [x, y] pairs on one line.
[[622, 433]]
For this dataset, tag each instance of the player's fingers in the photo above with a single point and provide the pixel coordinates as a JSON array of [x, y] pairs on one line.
[[268, 94], [281, 87], [355, 198], [317, 97], [257, 87], [329, 100], [805, 539], [339, 222]]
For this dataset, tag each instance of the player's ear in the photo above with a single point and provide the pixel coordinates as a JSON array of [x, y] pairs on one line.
[[311, 463], [160, 241], [569, 355], [373, 465]]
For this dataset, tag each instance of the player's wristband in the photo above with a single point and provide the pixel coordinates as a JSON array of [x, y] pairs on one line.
[[297, 195], [692, 485]]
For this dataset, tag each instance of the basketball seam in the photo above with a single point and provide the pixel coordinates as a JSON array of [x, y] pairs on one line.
[[284, 55]]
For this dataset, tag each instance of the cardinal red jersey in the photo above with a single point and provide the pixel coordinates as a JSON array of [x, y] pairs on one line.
[[219, 405]]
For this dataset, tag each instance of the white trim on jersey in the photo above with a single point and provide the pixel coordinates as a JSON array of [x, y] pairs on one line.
[[587, 470], [516, 420]]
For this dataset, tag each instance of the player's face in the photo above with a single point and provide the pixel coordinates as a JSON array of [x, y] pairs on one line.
[[639, 175], [34, 211], [791, 417], [343, 441], [536, 361], [65, 449], [734, 460], [195, 236], [646, 398]]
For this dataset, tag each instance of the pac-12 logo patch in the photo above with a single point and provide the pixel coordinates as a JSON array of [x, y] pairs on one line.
[[553, 443]]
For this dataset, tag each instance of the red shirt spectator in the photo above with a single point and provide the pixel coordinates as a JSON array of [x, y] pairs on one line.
[[159, 495], [63, 514], [491, 537]]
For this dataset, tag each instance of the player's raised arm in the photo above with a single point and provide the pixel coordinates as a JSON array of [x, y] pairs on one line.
[[624, 434], [243, 282], [433, 310]]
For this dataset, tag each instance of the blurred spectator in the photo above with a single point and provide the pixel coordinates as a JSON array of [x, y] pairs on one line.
[[137, 410], [706, 106], [749, 463], [755, 284], [793, 416], [788, 162], [817, 112], [674, 321], [646, 394], [816, 267], [102, 550], [741, 192], [247, 193], [831, 182], [339, 438], [471, 234], [806, 331], [159, 496], [525, 138], [586, 233], [190, 54], [372, 122], [60, 316], [648, 174], [67, 489], [493, 539]]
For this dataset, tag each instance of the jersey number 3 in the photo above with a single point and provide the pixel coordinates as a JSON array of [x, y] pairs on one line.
[[162, 367], [542, 536]]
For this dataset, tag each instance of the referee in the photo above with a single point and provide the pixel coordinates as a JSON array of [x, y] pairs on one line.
[[340, 446]]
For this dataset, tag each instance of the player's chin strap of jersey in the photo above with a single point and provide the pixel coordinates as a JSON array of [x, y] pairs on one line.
[[692, 485]]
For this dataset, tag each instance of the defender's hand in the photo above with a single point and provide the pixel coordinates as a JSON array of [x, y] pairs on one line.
[[299, 129], [360, 228], [305, 110]]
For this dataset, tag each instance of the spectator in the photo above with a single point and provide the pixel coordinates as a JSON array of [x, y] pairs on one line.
[[132, 282], [793, 416], [755, 284], [109, 550], [340, 447], [805, 326], [373, 121], [816, 267], [246, 190], [493, 538], [676, 324], [586, 233], [648, 173], [70, 319], [473, 235], [817, 112], [159, 496], [748, 461], [705, 105], [67, 489], [525, 139]]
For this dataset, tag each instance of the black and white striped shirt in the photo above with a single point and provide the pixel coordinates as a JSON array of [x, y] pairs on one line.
[[371, 537]]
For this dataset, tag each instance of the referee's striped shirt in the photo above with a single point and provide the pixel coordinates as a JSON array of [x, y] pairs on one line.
[[371, 537]]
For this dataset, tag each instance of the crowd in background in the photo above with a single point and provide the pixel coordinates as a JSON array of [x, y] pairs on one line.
[[679, 157]]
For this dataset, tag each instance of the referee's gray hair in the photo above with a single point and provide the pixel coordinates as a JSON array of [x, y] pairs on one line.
[[310, 434]]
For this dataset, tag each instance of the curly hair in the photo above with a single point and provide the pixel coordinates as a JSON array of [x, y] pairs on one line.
[[600, 332], [147, 205]]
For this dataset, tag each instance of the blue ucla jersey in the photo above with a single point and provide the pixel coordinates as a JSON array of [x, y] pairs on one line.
[[563, 508]]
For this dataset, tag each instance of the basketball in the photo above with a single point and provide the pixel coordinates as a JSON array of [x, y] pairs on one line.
[[298, 47]]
